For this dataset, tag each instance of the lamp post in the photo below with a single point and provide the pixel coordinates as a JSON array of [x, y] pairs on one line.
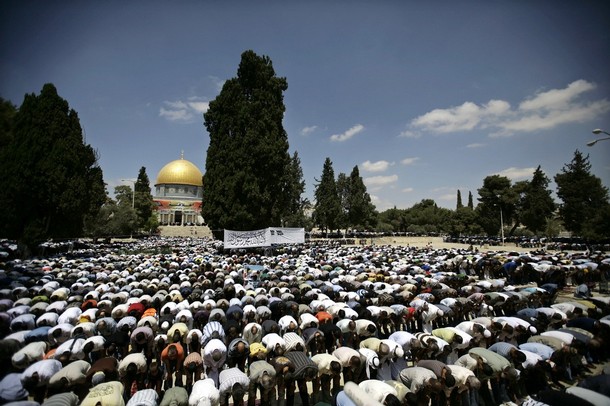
[[133, 194], [596, 132], [502, 226], [501, 220]]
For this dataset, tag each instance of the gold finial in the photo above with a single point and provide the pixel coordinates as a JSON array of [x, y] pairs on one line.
[[182, 154]]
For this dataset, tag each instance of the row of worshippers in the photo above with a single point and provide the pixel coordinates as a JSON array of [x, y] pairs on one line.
[[403, 339]]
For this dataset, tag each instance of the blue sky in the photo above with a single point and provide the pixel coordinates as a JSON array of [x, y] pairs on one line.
[[425, 97]]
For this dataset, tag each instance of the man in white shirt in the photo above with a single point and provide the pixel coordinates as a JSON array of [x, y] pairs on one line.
[[421, 381], [214, 357], [380, 391], [71, 378], [204, 393], [329, 370], [352, 363], [29, 354], [132, 369], [37, 376], [466, 385]]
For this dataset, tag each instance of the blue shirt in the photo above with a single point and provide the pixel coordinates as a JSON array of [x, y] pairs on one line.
[[538, 348], [344, 400]]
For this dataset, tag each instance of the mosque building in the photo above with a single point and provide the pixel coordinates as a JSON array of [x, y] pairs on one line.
[[178, 193]]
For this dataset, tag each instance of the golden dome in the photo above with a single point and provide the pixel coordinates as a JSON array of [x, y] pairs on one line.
[[180, 172]]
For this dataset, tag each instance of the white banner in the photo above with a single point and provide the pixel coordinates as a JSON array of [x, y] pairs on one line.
[[247, 239], [282, 235], [264, 237]]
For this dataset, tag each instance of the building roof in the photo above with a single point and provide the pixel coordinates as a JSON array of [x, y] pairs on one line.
[[180, 172]]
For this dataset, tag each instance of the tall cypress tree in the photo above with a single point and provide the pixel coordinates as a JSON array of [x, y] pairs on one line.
[[361, 211], [327, 210], [459, 204], [247, 163], [343, 191], [144, 203], [295, 215], [51, 180], [470, 202]]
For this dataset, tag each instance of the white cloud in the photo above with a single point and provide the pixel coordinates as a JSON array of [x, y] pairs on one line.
[[199, 106], [448, 197], [409, 161], [175, 115], [410, 134], [347, 134], [308, 130], [464, 117], [378, 166], [556, 98], [475, 145], [408, 190], [381, 204], [542, 111], [374, 181], [513, 173], [183, 110], [577, 113]]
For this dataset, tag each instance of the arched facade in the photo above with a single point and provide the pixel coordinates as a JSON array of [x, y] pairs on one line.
[[178, 193]]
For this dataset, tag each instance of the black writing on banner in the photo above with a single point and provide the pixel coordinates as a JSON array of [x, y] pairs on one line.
[[243, 239], [264, 237]]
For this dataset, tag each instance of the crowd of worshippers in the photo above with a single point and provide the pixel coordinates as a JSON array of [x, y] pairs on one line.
[[315, 324]]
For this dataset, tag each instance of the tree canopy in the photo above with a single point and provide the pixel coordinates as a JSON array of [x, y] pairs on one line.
[[143, 202], [246, 183], [584, 211], [7, 114], [497, 202], [360, 212], [584, 204], [296, 204], [327, 209], [536, 204], [51, 178]]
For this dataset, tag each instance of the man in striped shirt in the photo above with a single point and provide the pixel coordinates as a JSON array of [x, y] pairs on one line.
[[233, 383], [193, 369], [304, 370], [262, 377]]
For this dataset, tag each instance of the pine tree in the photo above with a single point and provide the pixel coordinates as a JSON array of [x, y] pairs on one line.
[[584, 207], [537, 204], [247, 163], [497, 203]]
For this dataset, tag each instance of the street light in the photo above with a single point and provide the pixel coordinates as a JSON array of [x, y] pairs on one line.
[[502, 226], [598, 131], [501, 221]]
